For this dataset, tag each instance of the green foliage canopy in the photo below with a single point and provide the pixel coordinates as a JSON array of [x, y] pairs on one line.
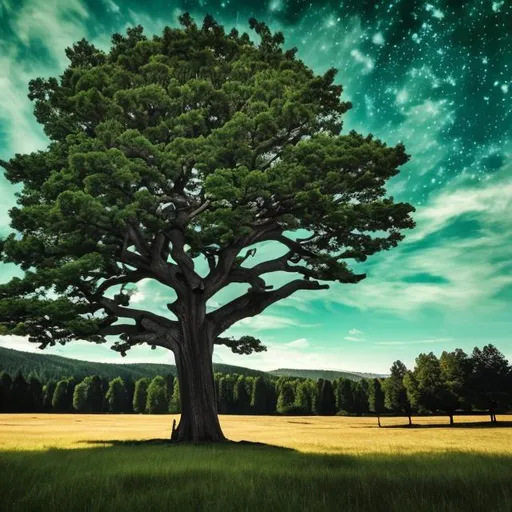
[[194, 143]]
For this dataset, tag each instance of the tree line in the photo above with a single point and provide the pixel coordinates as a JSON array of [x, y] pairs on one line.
[[453, 382]]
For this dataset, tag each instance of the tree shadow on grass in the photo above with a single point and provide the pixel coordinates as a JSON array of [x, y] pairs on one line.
[[230, 477], [472, 424], [168, 442]]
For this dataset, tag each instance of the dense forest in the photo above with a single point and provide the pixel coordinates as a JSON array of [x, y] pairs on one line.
[[450, 384]]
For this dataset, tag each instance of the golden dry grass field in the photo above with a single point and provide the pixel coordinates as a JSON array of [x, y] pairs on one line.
[[83, 463], [335, 435]]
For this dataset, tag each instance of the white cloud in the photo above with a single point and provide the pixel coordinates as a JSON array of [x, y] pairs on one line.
[[351, 338], [469, 269], [416, 342], [355, 331], [263, 322], [299, 343]]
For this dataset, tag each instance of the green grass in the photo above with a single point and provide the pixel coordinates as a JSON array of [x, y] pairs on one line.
[[240, 477]]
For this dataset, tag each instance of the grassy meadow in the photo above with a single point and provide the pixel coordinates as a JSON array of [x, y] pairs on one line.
[[85, 463]]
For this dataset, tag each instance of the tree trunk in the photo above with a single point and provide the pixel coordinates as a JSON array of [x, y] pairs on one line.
[[199, 420], [410, 420], [378, 420], [451, 419]]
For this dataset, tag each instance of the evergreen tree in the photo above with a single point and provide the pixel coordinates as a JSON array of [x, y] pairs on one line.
[[116, 396], [226, 392], [428, 376], [175, 401], [140, 395], [412, 391], [5, 392], [35, 394], [376, 398], [489, 379], [157, 400], [345, 395], [360, 397], [48, 392], [80, 401], [19, 394], [96, 394], [241, 396], [259, 396], [169, 385], [60, 400], [70, 389], [454, 374], [286, 397], [130, 390], [303, 398], [326, 400], [395, 394]]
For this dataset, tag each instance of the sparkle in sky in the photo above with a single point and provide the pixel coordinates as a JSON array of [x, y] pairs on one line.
[[435, 75]]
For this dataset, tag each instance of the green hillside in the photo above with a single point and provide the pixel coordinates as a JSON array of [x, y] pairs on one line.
[[322, 374], [51, 367]]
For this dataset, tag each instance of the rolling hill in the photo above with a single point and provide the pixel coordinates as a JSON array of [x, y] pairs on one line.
[[323, 374], [52, 367], [49, 366]]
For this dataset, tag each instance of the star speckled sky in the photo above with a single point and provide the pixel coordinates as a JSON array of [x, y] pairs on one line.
[[435, 75]]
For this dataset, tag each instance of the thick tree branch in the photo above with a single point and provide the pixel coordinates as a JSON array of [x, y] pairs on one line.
[[252, 304], [219, 276], [184, 261]]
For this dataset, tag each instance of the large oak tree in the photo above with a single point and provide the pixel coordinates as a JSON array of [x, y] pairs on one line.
[[194, 145]]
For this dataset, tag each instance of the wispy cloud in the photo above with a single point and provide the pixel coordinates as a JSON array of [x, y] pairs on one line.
[[299, 343], [415, 342]]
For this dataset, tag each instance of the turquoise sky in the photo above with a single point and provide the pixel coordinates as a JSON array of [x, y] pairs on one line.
[[434, 75]]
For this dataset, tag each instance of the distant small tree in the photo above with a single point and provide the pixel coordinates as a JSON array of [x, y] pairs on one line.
[[303, 400], [116, 396], [96, 394], [19, 394], [455, 373], [427, 374], [35, 394], [360, 396], [241, 396], [175, 401], [5, 392], [286, 398], [80, 402], [226, 391], [72, 382], [140, 395], [344, 395], [412, 391], [259, 396], [60, 402], [157, 400], [376, 398], [326, 400], [48, 392], [489, 379], [395, 394], [130, 390], [169, 384]]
